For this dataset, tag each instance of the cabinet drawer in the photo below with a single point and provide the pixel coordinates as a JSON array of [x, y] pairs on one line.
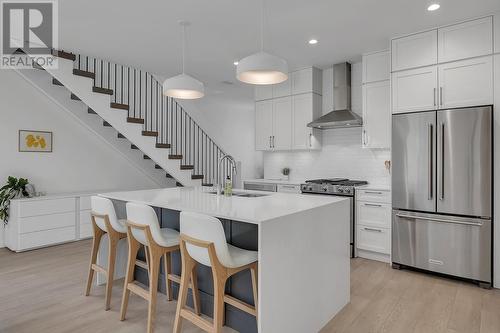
[[85, 231], [373, 214], [374, 239], [382, 196], [85, 203], [466, 40], [286, 188], [46, 237], [45, 207], [46, 222]]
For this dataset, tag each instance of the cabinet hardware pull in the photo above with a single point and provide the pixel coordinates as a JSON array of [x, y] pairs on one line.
[[310, 140], [372, 205], [372, 229], [273, 142], [270, 146], [441, 96], [477, 224], [373, 192], [434, 96]]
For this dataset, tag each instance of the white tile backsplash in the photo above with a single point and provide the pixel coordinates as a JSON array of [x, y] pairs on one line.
[[341, 154]]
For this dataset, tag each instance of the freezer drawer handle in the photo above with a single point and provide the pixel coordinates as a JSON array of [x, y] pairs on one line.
[[478, 224], [372, 205], [372, 192], [371, 229]]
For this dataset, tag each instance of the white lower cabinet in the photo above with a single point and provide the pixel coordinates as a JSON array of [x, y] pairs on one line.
[[45, 221], [373, 224], [466, 83]]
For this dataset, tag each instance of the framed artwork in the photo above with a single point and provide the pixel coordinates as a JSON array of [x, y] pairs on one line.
[[35, 141]]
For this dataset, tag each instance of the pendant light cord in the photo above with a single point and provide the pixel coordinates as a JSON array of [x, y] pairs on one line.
[[262, 27], [183, 46]]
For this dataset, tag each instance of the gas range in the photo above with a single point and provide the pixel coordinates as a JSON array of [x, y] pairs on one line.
[[334, 186]]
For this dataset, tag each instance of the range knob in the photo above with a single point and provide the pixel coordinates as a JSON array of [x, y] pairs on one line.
[[341, 190]]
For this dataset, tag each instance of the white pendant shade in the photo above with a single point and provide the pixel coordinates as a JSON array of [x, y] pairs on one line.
[[183, 86], [262, 68]]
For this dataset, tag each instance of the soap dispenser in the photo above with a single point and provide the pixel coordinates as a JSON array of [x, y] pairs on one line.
[[228, 187]]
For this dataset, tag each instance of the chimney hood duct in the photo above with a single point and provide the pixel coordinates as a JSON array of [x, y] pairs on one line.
[[341, 116]]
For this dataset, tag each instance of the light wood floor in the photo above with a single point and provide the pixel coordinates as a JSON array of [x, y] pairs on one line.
[[42, 291]]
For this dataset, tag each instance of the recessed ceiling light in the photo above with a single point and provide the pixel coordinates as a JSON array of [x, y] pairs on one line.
[[236, 63], [433, 7], [313, 41]]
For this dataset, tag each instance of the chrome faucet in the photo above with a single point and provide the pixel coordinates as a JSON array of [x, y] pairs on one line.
[[219, 171]]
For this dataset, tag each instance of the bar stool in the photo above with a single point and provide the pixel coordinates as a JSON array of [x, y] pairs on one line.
[[143, 228], [203, 241], [104, 221]]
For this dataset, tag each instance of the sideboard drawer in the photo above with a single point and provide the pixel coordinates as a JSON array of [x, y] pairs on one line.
[[46, 222], [374, 239], [46, 237], [46, 207], [373, 214], [383, 196]]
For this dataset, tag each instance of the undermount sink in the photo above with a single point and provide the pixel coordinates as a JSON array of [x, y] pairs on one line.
[[243, 194]]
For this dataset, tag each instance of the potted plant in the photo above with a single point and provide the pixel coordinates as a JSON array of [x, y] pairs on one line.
[[15, 188], [286, 173]]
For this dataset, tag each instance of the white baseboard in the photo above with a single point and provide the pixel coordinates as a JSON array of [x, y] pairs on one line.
[[374, 256]]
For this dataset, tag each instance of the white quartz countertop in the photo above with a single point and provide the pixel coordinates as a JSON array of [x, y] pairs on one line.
[[275, 181], [251, 210]]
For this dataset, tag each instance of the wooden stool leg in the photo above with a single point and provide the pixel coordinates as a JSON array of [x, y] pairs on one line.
[[167, 264], [96, 241], [113, 243], [219, 291], [194, 289], [187, 266], [133, 248], [154, 272], [254, 274], [146, 254]]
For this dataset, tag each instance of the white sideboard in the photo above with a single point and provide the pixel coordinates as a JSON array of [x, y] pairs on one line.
[[48, 220]]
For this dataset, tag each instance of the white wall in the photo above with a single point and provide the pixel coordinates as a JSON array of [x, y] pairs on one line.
[[496, 172], [341, 154], [80, 161], [231, 124]]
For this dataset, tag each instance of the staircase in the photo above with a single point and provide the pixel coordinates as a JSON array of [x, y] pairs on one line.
[[129, 102]]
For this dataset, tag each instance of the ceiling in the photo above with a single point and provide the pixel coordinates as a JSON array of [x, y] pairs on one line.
[[146, 34]]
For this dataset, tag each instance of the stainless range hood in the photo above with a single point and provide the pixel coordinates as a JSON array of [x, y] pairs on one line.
[[341, 116]]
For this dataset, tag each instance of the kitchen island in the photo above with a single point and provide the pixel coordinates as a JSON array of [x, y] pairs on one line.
[[303, 245]]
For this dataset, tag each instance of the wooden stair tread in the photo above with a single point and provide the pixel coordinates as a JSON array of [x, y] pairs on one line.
[[121, 136], [100, 90], [135, 120], [56, 82], [133, 147], [83, 73], [163, 145], [146, 157], [158, 167], [187, 167], [197, 176], [89, 110], [74, 97], [65, 55], [175, 157], [106, 124], [168, 175], [119, 106], [149, 133]]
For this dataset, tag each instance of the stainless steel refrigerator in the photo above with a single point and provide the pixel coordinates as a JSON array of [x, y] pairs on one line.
[[442, 191]]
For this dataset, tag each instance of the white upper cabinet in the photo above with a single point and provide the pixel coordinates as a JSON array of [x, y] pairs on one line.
[[282, 89], [263, 125], [282, 123], [376, 66], [306, 80], [465, 40], [414, 51], [376, 115], [466, 83], [415, 90], [305, 108], [263, 92]]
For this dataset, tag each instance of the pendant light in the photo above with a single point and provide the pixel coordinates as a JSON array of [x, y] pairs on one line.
[[183, 86], [262, 68]]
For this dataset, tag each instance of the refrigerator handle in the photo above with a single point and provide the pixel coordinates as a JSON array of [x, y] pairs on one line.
[[441, 197], [431, 160], [404, 216]]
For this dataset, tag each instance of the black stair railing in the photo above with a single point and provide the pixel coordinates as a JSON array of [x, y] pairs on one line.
[[142, 95]]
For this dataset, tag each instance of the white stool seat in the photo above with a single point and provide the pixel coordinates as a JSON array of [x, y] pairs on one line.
[[168, 237], [241, 257]]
